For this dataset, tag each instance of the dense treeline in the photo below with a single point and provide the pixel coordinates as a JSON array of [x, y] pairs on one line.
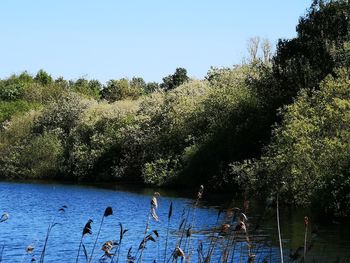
[[271, 125]]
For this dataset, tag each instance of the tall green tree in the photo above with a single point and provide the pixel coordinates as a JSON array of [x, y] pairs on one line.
[[43, 77], [310, 150], [175, 80], [138, 83], [304, 61], [88, 88], [122, 89]]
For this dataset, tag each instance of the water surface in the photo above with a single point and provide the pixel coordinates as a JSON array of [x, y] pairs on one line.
[[32, 207]]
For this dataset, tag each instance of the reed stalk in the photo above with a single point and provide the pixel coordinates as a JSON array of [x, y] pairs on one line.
[[306, 224], [199, 196], [279, 230], [50, 227], [108, 212], [86, 230], [151, 214], [167, 230], [121, 236]]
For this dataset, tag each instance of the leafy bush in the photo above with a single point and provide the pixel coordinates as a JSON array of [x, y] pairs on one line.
[[310, 150], [11, 108], [161, 171], [42, 156], [11, 92], [62, 114]]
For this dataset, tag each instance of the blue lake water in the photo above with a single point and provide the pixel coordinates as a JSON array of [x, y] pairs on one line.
[[33, 207]]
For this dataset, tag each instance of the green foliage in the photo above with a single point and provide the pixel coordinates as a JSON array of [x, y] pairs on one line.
[[151, 87], [13, 140], [43, 77], [31, 156], [13, 87], [11, 92], [137, 83], [11, 108], [230, 123], [304, 61], [161, 171], [61, 115], [175, 80], [42, 156], [96, 142], [88, 88], [37, 93], [310, 150], [120, 90]]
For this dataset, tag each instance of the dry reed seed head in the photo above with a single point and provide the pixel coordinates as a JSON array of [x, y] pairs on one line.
[[156, 233], [200, 192], [306, 221], [87, 228], [29, 249], [170, 210], [63, 209], [150, 237], [154, 202], [189, 232], [145, 240], [178, 252], [224, 227], [108, 211], [108, 246], [4, 217], [241, 227]]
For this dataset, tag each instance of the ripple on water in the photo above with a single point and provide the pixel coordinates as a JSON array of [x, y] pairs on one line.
[[32, 207]]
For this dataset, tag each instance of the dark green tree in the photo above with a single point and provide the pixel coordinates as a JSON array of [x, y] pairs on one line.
[[88, 88], [122, 89], [175, 80], [115, 90], [43, 77], [304, 61], [61, 82], [137, 83], [151, 87]]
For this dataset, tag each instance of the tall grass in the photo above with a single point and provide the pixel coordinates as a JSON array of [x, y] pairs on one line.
[[108, 212], [279, 229], [170, 213], [49, 229], [233, 239], [86, 230]]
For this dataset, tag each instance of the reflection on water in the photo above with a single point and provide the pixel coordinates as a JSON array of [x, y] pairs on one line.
[[32, 208]]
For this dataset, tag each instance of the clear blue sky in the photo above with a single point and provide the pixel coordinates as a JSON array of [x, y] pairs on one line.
[[105, 39]]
